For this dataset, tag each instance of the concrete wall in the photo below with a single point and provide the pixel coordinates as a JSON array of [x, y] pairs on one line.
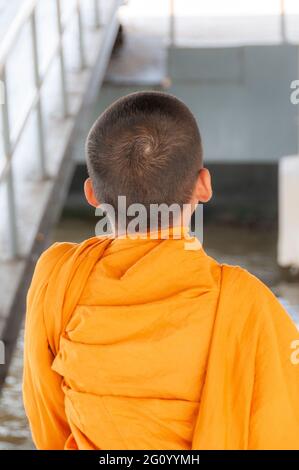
[[241, 98]]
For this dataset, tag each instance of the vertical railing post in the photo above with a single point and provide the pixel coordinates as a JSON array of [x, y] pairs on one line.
[[283, 21], [97, 21], [8, 182], [80, 33], [61, 60], [171, 23], [297, 108], [39, 113]]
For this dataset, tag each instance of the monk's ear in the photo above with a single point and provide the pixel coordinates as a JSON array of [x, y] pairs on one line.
[[89, 193], [203, 188]]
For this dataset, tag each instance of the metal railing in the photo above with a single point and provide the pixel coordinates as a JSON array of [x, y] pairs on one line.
[[27, 15]]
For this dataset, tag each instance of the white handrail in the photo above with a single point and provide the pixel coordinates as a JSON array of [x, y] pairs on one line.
[[11, 203], [10, 38], [27, 14]]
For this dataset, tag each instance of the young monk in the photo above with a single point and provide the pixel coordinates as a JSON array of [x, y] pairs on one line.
[[138, 342]]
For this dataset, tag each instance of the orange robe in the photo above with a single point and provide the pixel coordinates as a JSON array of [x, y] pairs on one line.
[[143, 344]]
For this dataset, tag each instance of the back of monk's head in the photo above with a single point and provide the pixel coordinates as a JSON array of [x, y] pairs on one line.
[[145, 146]]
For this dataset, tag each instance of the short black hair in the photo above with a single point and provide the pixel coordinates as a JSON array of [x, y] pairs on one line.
[[145, 146]]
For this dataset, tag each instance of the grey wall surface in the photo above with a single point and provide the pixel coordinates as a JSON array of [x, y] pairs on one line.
[[241, 98]]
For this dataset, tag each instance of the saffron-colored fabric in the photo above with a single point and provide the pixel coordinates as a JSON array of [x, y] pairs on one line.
[[151, 344]]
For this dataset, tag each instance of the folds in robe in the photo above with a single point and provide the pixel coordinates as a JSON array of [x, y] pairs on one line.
[[143, 344]]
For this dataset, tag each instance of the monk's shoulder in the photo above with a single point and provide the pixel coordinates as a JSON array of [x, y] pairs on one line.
[[54, 252], [239, 278], [251, 296], [49, 258]]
